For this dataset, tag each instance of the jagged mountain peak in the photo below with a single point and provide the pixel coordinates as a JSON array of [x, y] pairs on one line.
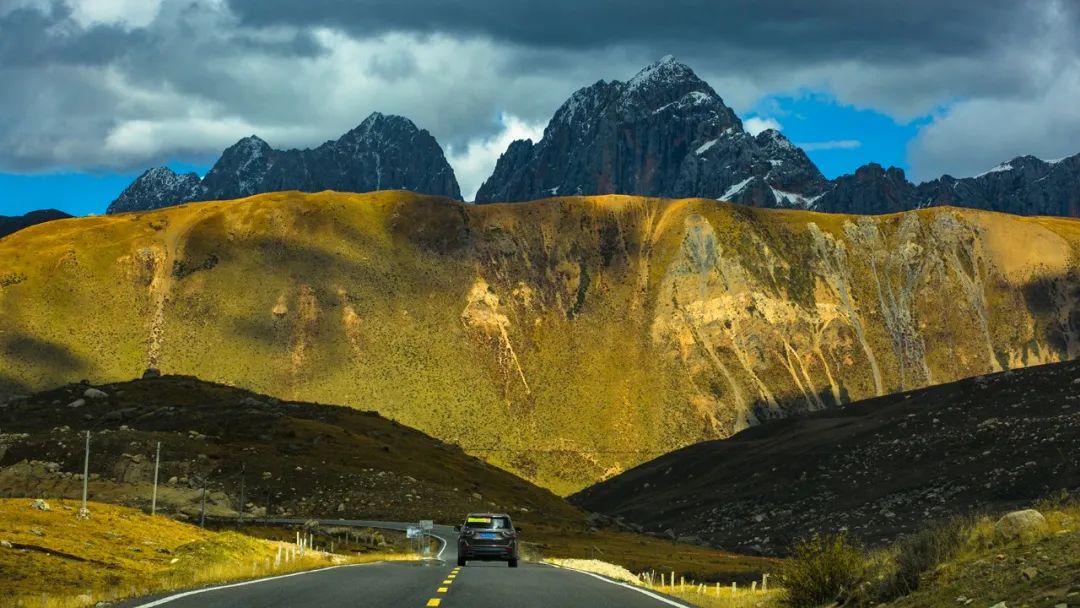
[[667, 71], [384, 152], [664, 132]]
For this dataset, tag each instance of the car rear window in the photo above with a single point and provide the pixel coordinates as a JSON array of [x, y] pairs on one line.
[[487, 523]]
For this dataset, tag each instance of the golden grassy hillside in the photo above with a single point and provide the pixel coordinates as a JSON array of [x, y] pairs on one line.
[[564, 339], [52, 559]]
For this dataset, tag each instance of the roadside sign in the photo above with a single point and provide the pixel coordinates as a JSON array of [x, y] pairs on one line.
[[427, 524], [412, 532]]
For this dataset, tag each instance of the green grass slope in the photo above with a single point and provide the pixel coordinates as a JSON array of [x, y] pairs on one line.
[[565, 340]]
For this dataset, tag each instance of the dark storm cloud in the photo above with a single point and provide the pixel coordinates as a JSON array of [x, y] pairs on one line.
[[29, 37], [797, 31], [85, 88]]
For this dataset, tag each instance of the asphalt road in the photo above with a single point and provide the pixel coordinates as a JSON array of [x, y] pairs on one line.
[[437, 582]]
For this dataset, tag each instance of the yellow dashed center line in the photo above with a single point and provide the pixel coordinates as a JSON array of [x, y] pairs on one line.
[[435, 601]]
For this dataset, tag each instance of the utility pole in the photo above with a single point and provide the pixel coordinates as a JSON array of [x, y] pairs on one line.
[[242, 469], [84, 513], [157, 463]]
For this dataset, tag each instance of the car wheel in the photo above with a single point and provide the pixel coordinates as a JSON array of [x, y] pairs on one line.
[[512, 563], [461, 561]]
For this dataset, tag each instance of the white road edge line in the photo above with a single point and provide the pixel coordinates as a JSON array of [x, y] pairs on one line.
[[654, 596], [166, 600], [445, 543]]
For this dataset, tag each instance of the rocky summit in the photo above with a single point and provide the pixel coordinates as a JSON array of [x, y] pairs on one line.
[[667, 133], [385, 152], [566, 340]]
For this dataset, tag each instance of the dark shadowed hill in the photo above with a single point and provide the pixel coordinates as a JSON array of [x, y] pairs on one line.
[[10, 224], [296, 459], [876, 468]]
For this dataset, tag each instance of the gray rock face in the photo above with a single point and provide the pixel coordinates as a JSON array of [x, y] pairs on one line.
[[1024, 185], [870, 190], [157, 188], [383, 153], [665, 133]]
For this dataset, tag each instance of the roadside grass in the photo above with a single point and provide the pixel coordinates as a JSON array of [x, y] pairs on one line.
[[640, 553], [714, 595], [57, 561], [960, 561], [706, 596]]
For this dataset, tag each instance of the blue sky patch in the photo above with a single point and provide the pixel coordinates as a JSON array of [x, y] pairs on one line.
[[838, 137]]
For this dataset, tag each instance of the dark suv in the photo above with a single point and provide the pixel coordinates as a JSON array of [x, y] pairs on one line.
[[488, 536]]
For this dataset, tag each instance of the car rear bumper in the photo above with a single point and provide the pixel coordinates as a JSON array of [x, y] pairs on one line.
[[481, 552]]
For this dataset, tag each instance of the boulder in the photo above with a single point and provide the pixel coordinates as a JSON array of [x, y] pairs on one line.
[[150, 373], [94, 394], [77, 403], [40, 505], [1021, 525]]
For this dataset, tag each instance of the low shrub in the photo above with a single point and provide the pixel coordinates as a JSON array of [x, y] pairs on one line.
[[821, 571], [922, 552]]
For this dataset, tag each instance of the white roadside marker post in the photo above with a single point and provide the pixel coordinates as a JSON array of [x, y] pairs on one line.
[[84, 513]]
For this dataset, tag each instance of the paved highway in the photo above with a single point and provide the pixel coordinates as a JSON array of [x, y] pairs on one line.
[[420, 584]]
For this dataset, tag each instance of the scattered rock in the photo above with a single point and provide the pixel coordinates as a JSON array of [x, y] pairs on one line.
[[95, 395], [150, 373], [6, 544], [173, 481], [1029, 574], [999, 605], [36, 532], [1018, 525], [77, 403], [40, 505], [251, 402], [341, 507]]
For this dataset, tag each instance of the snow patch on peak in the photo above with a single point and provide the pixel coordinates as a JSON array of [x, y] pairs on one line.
[[790, 199], [776, 137], [998, 169], [664, 71], [705, 146], [735, 189], [693, 98]]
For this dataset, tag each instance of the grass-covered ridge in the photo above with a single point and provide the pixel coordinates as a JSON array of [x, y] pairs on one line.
[[52, 559], [565, 339]]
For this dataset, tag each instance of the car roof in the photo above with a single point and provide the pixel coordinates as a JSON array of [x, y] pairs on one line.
[[488, 515]]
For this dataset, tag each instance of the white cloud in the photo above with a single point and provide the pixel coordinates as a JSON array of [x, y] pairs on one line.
[[756, 124], [128, 13], [475, 161], [833, 144], [973, 135]]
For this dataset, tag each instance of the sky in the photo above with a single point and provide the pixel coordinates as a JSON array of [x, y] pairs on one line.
[[96, 91]]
